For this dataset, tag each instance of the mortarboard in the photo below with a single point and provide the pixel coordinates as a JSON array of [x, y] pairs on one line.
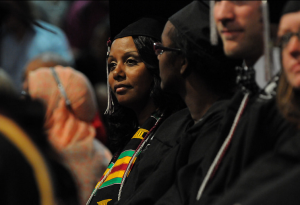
[[290, 7], [193, 22], [148, 26]]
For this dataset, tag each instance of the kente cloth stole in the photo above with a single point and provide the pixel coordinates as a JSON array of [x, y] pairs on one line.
[[120, 165], [108, 187]]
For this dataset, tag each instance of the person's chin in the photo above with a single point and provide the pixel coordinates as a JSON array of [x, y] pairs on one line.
[[122, 100], [232, 50]]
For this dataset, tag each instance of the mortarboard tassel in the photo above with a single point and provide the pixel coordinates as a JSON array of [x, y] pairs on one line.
[[268, 48], [110, 105], [213, 28]]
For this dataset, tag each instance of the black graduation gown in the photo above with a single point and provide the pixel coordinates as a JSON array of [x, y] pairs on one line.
[[158, 182], [109, 186], [274, 179], [284, 190], [260, 130], [166, 137]]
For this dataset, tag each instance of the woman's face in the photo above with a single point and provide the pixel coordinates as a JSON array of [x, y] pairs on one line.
[[129, 79], [290, 24]]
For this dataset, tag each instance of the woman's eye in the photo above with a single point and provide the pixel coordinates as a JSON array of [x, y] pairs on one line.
[[111, 66], [131, 62]]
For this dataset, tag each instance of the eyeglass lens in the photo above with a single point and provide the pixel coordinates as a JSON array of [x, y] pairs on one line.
[[157, 48], [285, 39]]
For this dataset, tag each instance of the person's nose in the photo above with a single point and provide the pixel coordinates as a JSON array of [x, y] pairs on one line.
[[293, 47], [223, 11], [119, 72]]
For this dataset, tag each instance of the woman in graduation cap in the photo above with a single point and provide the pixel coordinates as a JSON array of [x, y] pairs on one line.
[[136, 104]]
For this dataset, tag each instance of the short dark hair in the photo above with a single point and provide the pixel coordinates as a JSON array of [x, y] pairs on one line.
[[212, 66]]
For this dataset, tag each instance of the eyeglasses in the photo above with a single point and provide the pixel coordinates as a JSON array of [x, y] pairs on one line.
[[159, 49], [61, 89], [285, 39]]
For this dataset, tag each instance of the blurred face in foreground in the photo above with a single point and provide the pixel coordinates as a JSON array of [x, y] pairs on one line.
[[288, 34], [240, 26]]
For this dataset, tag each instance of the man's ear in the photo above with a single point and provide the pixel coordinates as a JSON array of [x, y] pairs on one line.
[[184, 66]]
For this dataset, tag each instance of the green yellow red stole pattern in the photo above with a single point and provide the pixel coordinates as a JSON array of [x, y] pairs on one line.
[[116, 170], [107, 189]]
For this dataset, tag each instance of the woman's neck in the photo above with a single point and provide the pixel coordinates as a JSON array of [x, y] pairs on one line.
[[144, 112]]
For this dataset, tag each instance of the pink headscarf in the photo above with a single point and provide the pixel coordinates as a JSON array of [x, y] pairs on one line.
[[71, 133], [42, 85]]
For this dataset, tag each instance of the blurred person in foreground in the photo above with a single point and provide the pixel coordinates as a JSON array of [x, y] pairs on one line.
[[23, 38], [31, 172], [71, 108], [261, 129], [49, 59], [275, 179]]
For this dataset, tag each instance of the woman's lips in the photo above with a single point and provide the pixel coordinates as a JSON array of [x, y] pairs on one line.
[[296, 68], [121, 88]]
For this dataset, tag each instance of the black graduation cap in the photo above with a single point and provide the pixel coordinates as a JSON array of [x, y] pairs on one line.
[[124, 13], [147, 26], [290, 7], [193, 22]]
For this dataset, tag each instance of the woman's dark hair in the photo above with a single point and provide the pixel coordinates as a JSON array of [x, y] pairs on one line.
[[123, 122], [210, 63], [288, 101]]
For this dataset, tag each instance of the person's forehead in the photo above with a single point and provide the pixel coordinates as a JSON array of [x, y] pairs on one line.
[[239, 5], [290, 22], [125, 43]]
